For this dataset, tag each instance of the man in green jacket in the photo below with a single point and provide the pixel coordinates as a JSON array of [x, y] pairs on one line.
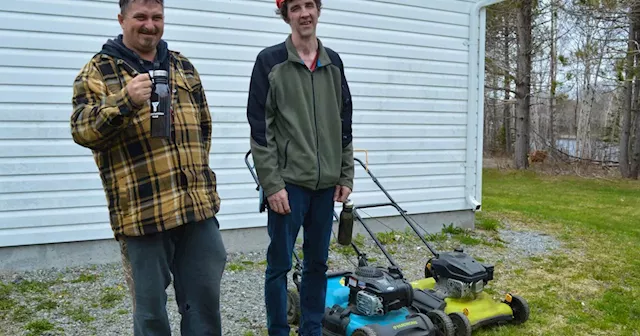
[[299, 110]]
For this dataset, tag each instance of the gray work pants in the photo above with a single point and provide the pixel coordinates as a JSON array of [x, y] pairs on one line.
[[195, 254]]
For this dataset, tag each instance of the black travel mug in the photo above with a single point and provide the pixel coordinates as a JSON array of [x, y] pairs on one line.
[[160, 105]]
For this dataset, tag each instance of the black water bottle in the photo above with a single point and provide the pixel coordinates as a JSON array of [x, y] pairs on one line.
[[345, 227], [160, 105]]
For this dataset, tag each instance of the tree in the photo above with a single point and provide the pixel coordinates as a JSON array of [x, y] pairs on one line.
[[573, 67], [523, 83], [628, 164], [553, 65], [500, 71]]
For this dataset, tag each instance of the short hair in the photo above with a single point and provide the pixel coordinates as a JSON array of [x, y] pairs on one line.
[[283, 11], [124, 4]]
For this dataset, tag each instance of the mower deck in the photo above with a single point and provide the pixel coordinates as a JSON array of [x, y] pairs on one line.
[[482, 311]]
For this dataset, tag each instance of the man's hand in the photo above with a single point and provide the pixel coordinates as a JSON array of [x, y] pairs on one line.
[[279, 202], [341, 194], [139, 88]]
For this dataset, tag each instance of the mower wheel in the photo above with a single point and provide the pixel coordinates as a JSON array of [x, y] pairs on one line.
[[293, 307], [520, 309], [364, 331], [442, 322], [461, 324]]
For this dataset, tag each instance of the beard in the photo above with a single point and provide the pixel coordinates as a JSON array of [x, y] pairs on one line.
[[147, 38]]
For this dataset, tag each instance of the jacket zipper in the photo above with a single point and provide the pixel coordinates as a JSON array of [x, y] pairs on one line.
[[315, 117]]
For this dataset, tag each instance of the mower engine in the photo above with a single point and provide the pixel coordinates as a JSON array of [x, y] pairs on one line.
[[458, 275], [369, 304], [457, 289], [374, 291]]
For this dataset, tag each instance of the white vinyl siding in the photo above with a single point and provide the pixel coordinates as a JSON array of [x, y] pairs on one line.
[[407, 66]]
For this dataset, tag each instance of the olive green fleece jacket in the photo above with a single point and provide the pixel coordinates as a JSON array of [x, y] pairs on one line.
[[300, 120]]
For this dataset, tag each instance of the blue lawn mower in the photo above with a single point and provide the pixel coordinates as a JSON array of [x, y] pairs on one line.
[[370, 301], [416, 301]]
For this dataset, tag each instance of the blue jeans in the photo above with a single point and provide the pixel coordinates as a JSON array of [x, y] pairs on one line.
[[313, 210]]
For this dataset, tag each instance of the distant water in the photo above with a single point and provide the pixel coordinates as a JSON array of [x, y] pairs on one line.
[[603, 150]]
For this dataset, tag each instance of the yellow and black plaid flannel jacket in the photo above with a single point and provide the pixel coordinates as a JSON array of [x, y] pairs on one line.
[[151, 184]]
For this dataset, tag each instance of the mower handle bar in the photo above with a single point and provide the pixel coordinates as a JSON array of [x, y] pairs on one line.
[[394, 204], [353, 245], [255, 177], [402, 213], [375, 180], [373, 236]]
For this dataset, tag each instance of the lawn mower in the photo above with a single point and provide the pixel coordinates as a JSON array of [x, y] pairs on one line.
[[460, 280], [426, 301], [370, 301], [375, 300]]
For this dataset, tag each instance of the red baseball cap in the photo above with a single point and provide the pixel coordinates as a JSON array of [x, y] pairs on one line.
[[279, 3]]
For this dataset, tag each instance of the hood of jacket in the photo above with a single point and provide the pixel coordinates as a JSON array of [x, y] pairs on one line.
[[116, 48]]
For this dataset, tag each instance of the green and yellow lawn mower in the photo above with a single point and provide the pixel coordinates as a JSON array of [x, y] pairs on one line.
[[459, 280]]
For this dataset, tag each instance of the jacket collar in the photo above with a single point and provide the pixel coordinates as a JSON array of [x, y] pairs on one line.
[[323, 58]]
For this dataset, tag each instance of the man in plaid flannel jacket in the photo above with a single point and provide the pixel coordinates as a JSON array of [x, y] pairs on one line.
[[161, 193]]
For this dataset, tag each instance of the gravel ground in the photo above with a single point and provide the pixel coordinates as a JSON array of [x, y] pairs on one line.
[[95, 301]]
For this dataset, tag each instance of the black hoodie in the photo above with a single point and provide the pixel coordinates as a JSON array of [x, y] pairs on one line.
[[116, 48]]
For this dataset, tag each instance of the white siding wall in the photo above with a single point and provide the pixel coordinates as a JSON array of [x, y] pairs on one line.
[[407, 67]]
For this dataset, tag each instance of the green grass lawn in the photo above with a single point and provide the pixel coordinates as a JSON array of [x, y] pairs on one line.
[[592, 287]]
